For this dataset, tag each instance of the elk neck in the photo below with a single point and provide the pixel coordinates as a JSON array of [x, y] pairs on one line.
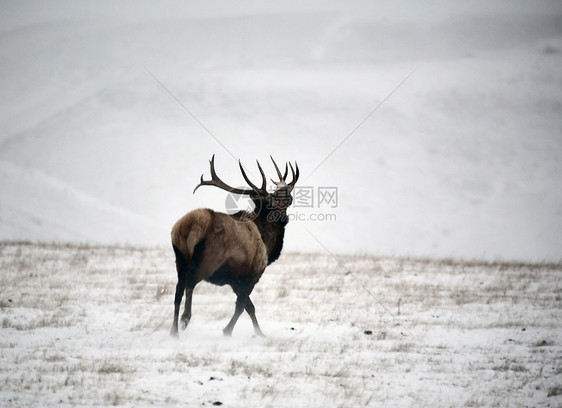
[[271, 225], [272, 232]]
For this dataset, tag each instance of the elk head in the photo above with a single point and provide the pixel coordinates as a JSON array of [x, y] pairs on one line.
[[266, 203]]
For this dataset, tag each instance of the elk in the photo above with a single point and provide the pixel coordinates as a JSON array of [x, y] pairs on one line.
[[231, 249]]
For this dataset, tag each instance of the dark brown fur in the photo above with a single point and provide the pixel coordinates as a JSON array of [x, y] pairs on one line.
[[230, 249]]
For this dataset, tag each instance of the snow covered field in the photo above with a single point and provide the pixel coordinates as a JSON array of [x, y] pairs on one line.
[[89, 325]]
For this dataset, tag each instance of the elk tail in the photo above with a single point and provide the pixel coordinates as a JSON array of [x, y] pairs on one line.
[[189, 232]]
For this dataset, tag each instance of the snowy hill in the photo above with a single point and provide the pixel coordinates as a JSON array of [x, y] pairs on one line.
[[464, 159]]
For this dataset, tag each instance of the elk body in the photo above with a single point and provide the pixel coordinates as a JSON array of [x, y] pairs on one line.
[[232, 249]]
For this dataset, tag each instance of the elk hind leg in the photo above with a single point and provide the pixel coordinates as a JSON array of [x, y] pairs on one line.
[[177, 303], [181, 267], [186, 316]]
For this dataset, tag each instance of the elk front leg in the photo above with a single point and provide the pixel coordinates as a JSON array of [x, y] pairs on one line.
[[251, 309], [240, 305]]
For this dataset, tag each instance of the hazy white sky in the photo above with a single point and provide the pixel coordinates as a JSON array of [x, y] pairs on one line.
[[462, 160]]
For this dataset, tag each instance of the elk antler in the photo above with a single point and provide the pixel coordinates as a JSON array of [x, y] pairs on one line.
[[295, 175], [262, 191], [283, 178], [217, 182]]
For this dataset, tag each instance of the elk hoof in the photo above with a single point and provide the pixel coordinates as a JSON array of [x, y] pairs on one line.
[[184, 323], [174, 333], [227, 333]]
